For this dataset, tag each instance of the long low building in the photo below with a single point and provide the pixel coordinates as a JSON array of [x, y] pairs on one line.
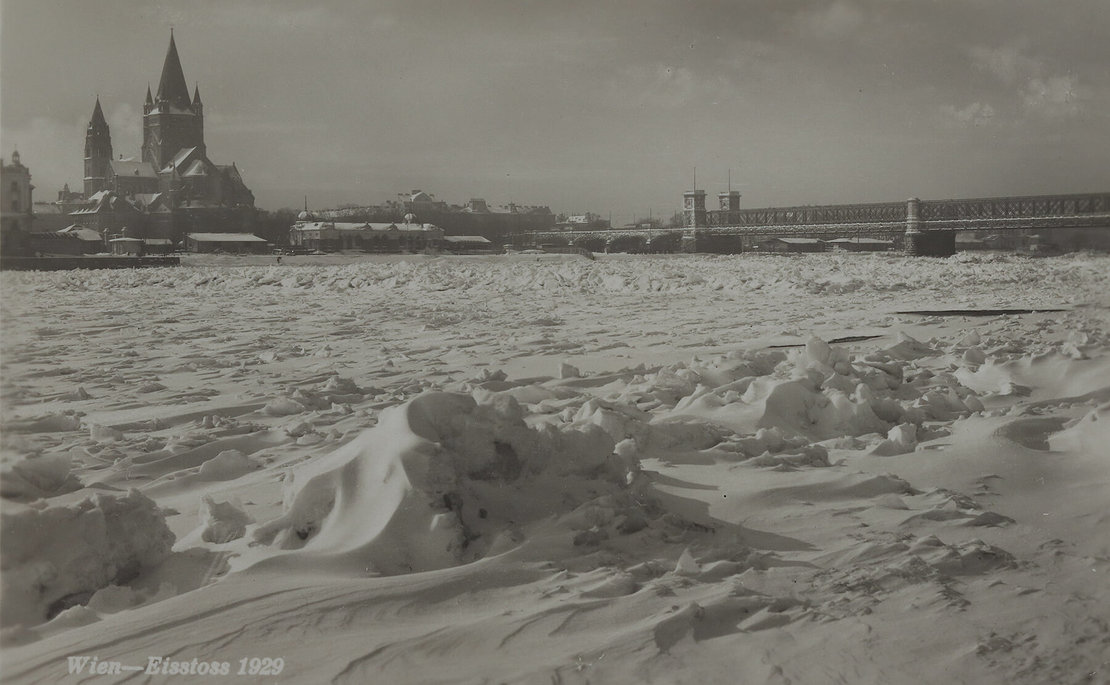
[[860, 245], [72, 240], [225, 242], [467, 244], [792, 245], [330, 236]]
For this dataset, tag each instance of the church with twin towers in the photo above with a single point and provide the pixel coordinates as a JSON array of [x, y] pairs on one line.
[[172, 188]]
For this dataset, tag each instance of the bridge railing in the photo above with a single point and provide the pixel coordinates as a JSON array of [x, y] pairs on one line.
[[877, 219], [930, 210], [809, 215], [1016, 207]]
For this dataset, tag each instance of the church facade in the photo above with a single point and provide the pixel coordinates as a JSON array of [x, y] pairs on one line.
[[172, 188]]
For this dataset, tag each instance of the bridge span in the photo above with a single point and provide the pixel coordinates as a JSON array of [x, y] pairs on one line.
[[925, 227]]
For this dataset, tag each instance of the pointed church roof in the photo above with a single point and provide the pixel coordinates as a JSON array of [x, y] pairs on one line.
[[149, 100], [196, 95], [98, 115], [172, 87], [180, 159], [197, 168]]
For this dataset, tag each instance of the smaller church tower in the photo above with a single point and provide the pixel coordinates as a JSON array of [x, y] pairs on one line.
[[98, 151], [198, 109]]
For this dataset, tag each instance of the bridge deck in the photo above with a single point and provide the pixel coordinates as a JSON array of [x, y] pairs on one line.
[[1039, 212]]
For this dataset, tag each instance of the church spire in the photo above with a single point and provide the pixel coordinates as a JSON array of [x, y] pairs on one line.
[[98, 151], [172, 87], [97, 119]]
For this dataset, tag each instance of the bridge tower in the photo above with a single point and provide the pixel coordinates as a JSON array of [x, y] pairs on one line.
[[693, 218], [729, 202], [920, 243]]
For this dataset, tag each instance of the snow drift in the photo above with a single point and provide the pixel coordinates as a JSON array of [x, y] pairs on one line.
[[55, 556], [441, 480]]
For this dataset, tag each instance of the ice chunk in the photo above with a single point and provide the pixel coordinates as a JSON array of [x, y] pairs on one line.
[[50, 553], [223, 521]]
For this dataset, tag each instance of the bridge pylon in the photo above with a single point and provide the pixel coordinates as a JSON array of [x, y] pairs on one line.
[[693, 217], [919, 243]]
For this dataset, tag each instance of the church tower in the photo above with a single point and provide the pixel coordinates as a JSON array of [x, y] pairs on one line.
[[172, 121], [98, 151]]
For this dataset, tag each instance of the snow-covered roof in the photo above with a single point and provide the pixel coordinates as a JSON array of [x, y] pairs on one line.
[[366, 226], [360, 226], [104, 199], [80, 232], [225, 238], [126, 240], [180, 158], [157, 241], [170, 109], [465, 239], [798, 241], [861, 241], [133, 168], [197, 168]]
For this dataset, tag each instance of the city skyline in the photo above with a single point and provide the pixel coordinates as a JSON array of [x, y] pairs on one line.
[[581, 107]]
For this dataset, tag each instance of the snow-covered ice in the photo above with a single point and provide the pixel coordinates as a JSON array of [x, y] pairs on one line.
[[536, 467]]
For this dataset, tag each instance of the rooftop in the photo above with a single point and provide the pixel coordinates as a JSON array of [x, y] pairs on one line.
[[798, 241], [225, 237], [131, 167]]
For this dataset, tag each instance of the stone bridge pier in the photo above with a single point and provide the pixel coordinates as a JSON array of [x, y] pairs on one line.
[[925, 243]]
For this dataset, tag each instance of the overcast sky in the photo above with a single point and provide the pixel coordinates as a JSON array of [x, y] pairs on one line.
[[583, 106]]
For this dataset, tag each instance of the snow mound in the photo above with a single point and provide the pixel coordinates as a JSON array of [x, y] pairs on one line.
[[776, 402], [36, 476], [223, 521], [52, 555], [227, 465], [425, 488]]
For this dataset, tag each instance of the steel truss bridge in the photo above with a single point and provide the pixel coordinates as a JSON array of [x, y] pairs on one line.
[[886, 220]]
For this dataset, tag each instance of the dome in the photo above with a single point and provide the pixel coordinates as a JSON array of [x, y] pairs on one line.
[[305, 215]]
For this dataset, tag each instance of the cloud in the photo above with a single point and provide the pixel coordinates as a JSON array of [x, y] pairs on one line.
[[1040, 93], [240, 123], [672, 86], [662, 86], [1053, 97], [975, 114], [755, 59], [837, 20], [249, 14], [1007, 64]]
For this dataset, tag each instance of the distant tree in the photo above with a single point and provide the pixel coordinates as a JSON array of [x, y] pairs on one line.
[[676, 221]]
